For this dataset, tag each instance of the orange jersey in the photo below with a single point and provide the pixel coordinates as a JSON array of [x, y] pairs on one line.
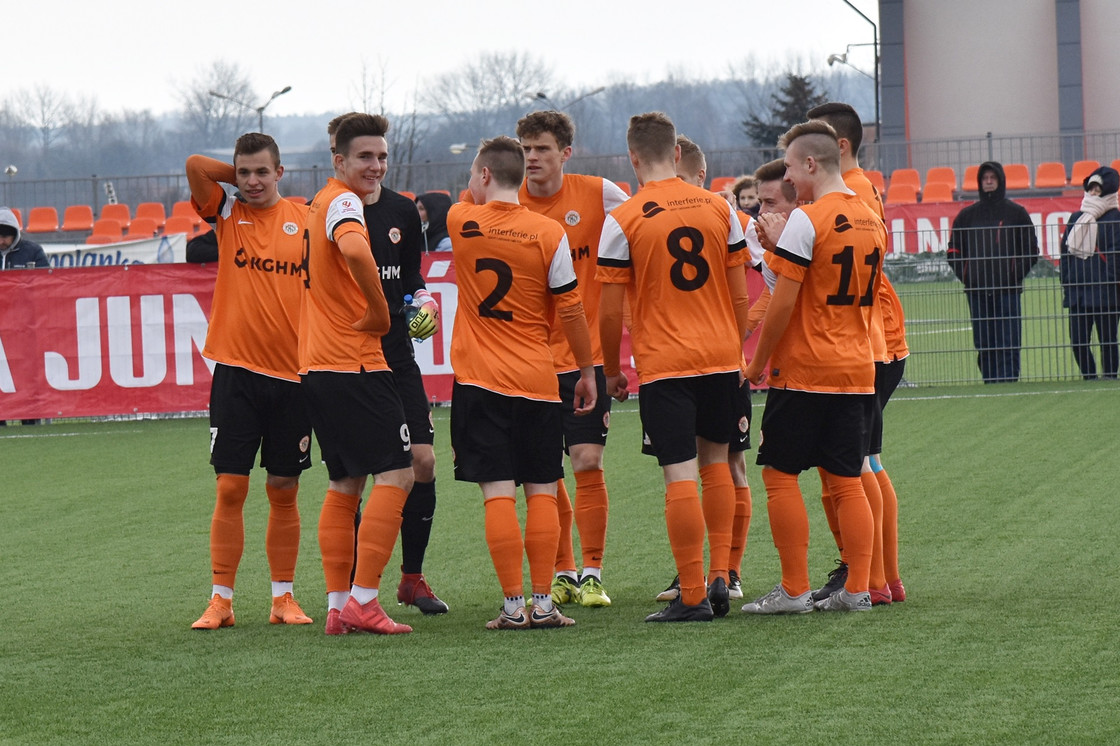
[[675, 242], [855, 180], [254, 319], [580, 206], [333, 301], [894, 323], [512, 267], [834, 247]]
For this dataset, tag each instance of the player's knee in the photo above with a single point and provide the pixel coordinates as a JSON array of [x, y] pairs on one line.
[[423, 463]]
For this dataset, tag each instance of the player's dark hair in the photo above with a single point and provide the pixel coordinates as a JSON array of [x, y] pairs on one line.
[[775, 170], [556, 123], [843, 119], [358, 125], [652, 136], [692, 157], [505, 158], [255, 142]]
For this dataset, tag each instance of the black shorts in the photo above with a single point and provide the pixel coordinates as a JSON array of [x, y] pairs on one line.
[[801, 430], [584, 428], [359, 421], [887, 378], [414, 399], [251, 411], [675, 411], [742, 440], [496, 437]]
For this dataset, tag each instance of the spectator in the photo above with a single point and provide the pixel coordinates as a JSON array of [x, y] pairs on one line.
[[17, 252], [203, 249], [1090, 251], [433, 207], [992, 247], [745, 193]]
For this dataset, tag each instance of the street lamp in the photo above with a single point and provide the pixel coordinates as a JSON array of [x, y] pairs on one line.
[[875, 44], [459, 148], [542, 96], [259, 109]]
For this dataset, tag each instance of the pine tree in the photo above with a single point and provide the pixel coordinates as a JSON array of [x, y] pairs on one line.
[[793, 99]]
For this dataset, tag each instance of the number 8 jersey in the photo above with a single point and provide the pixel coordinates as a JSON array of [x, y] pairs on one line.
[[834, 247], [675, 242]]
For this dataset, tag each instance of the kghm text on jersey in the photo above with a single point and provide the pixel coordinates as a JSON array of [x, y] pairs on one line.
[[256, 263]]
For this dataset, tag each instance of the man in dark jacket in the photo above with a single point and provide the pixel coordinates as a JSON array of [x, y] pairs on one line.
[[16, 252], [1090, 253], [992, 248]]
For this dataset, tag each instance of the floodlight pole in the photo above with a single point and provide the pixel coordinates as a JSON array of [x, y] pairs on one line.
[[875, 30], [259, 109]]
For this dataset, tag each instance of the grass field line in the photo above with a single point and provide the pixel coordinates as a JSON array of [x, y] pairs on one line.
[[1000, 395], [66, 435], [956, 330]]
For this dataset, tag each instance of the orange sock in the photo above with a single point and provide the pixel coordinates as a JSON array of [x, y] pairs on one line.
[[877, 578], [377, 535], [789, 525], [542, 531], [857, 526], [685, 520], [336, 538], [503, 538], [830, 514], [890, 526], [282, 538], [740, 528], [591, 515], [719, 516], [227, 528], [565, 554]]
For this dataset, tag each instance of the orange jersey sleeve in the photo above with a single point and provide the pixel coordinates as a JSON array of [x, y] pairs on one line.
[[333, 301], [857, 181], [894, 322], [254, 319], [512, 268], [675, 241], [581, 206], [834, 248]]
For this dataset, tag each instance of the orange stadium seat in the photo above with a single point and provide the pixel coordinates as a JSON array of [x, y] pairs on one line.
[[902, 194], [968, 183], [153, 210], [720, 183], [142, 227], [906, 176], [42, 220], [942, 174], [624, 186], [184, 209], [1081, 169], [179, 224], [876, 179], [1018, 176], [1050, 175], [298, 199], [938, 191], [1115, 164], [118, 212], [77, 218], [105, 230], [410, 195], [19, 217]]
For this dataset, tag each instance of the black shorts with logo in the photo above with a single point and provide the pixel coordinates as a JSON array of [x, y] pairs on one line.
[[251, 411], [887, 378], [584, 428], [742, 440], [676, 411], [496, 437], [802, 429]]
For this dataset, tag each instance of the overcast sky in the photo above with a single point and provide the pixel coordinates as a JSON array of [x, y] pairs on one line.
[[132, 54]]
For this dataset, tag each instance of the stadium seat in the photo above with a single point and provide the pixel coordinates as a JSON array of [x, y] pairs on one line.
[[1050, 175], [19, 217], [906, 176], [442, 191], [463, 195], [77, 218], [179, 224], [968, 183], [184, 209], [720, 183], [1018, 176], [42, 220], [943, 175], [298, 199], [118, 212], [876, 179], [1115, 164], [938, 191], [105, 230], [153, 210], [902, 194], [624, 186], [1081, 169], [141, 227]]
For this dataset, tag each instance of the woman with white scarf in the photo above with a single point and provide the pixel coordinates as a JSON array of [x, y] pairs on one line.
[[1090, 274]]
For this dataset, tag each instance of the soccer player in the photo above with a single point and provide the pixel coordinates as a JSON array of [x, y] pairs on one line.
[[815, 343], [352, 398], [682, 247], [393, 226], [580, 203], [888, 342], [255, 398], [506, 425]]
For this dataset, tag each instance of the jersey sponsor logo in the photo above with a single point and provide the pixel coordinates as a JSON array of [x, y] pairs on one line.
[[842, 223], [572, 218], [290, 228], [649, 209], [244, 222], [583, 252], [390, 272], [268, 264], [470, 230], [395, 235]]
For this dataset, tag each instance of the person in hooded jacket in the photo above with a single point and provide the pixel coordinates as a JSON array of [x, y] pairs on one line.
[[993, 246], [16, 252], [433, 207], [1089, 255]]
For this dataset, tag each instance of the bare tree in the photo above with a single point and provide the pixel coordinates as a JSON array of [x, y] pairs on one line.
[[46, 111], [209, 121], [372, 87], [485, 92]]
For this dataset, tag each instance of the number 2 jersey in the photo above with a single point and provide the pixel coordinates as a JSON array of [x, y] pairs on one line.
[[675, 241], [834, 247], [513, 267]]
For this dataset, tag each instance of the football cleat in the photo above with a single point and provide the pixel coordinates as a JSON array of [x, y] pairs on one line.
[[541, 619], [836, 580], [881, 596], [334, 623], [842, 600], [517, 620], [415, 591], [564, 590], [672, 592], [778, 601], [285, 610], [591, 593], [898, 591], [735, 587], [678, 611], [718, 596], [370, 618], [218, 614]]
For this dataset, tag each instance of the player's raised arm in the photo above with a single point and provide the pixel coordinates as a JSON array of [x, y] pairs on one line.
[[204, 174]]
